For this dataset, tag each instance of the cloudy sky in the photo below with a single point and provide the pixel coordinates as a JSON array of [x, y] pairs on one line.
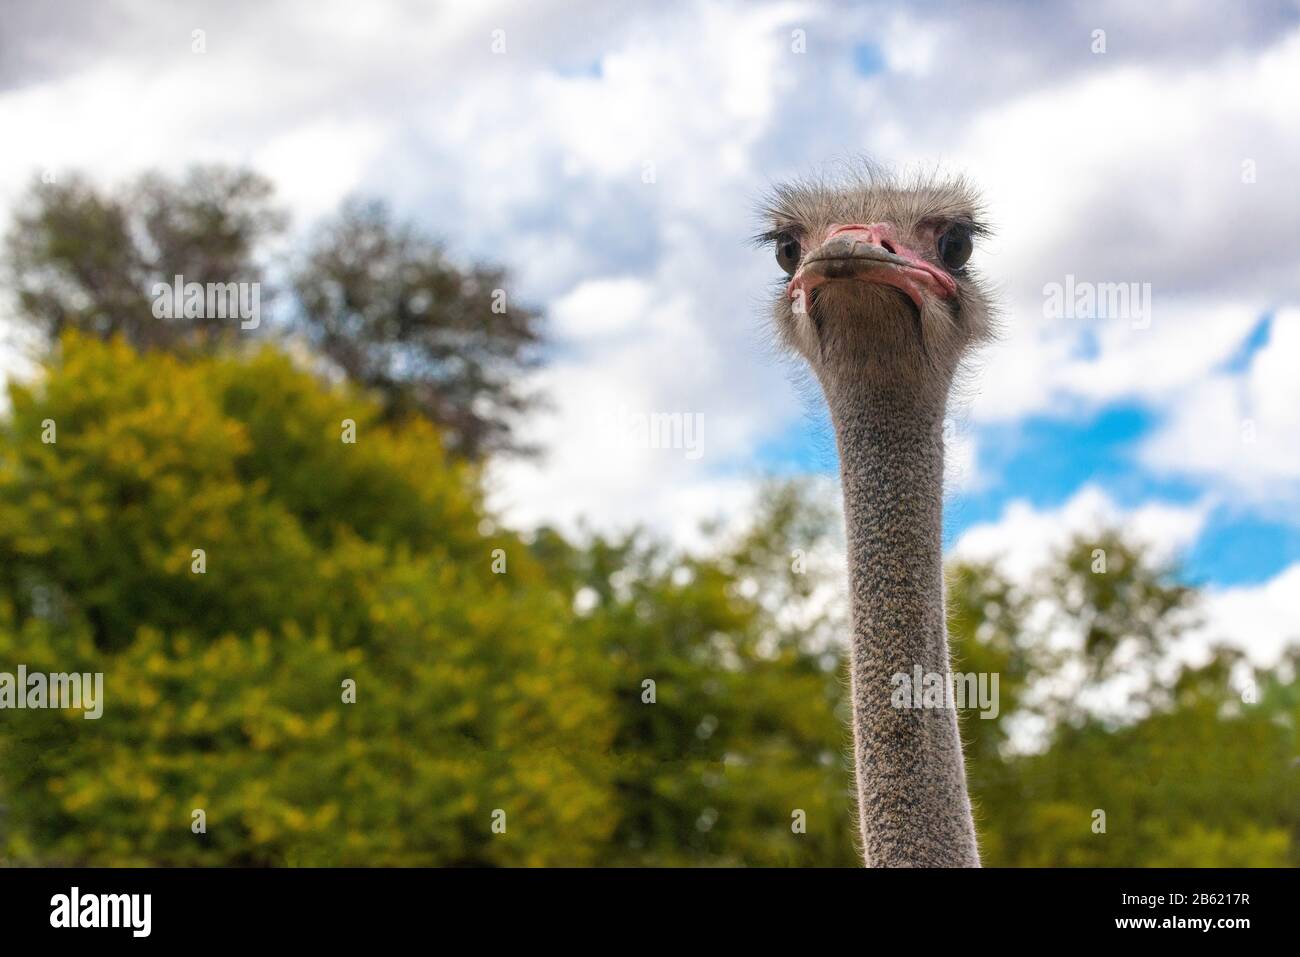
[[611, 159]]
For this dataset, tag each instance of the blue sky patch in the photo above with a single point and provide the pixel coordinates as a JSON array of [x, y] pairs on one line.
[[1237, 549], [1240, 360], [868, 60], [1046, 460]]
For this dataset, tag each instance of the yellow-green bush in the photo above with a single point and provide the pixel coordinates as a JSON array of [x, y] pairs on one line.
[[325, 561]]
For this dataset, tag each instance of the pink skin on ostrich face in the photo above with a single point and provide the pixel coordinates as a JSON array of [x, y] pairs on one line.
[[869, 253]]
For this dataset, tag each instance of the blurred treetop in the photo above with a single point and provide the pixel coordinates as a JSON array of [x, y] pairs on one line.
[[380, 302]]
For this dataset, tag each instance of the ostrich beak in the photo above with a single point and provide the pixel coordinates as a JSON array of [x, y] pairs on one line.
[[859, 253]]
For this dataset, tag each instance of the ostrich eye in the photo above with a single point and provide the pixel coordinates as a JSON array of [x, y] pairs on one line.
[[788, 252], [955, 246]]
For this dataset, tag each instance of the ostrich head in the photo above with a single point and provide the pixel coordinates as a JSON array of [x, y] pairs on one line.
[[877, 286]]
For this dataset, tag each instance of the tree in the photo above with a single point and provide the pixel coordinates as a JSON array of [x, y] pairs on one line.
[[80, 258], [489, 674], [1124, 613], [311, 630], [324, 562], [727, 721], [384, 304], [379, 300], [1106, 753]]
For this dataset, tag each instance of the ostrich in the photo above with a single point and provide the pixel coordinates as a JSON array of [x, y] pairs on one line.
[[878, 300]]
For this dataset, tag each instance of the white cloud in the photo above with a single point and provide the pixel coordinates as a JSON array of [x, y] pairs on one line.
[[1242, 430], [1261, 619], [312, 188], [1024, 539], [1082, 180], [599, 308]]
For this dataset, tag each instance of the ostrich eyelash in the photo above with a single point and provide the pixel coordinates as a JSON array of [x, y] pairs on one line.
[[977, 229], [772, 235]]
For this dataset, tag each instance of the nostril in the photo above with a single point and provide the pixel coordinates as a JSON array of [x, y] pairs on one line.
[[888, 247]]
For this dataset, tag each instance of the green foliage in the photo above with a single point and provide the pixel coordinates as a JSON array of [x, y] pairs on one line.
[[747, 735], [325, 561], [528, 692], [1186, 771], [384, 303], [80, 258], [372, 561], [379, 301]]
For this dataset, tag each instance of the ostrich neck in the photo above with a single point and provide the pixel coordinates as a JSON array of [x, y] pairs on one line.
[[911, 779]]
